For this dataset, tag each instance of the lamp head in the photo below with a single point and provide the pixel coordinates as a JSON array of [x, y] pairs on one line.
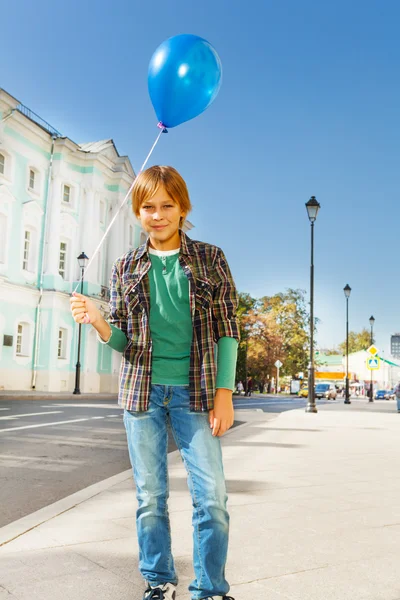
[[312, 207], [82, 260]]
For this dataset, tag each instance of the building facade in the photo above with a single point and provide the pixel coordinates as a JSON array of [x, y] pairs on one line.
[[332, 368], [56, 201]]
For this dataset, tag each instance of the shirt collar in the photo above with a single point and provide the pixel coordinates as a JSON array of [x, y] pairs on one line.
[[186, 246]]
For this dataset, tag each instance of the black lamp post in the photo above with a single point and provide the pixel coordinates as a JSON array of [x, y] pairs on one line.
[[347, 292], [312, 207], [82, 260], [371, 391]]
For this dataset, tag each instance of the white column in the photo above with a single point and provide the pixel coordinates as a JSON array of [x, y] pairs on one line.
[[53, 229]]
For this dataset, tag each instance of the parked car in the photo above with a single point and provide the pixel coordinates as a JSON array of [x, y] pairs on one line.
[[384, 395], [325, 390], [303, 393]]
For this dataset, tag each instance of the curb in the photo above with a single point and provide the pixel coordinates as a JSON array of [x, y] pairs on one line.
[[10, 532], [14, 530]]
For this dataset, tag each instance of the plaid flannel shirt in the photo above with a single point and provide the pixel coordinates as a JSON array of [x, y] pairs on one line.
[[213, 303]]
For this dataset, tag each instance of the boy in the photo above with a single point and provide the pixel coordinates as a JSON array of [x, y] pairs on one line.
[[171, 300]]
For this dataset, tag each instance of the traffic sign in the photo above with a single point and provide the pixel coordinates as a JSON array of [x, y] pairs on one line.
[[278, 364], [373, 350], [373, 363]]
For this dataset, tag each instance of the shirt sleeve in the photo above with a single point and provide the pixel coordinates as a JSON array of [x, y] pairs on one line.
[[118, 318], [226, 363], [117, 340], [225, 301]]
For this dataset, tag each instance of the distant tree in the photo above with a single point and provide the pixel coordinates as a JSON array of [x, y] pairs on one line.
[[290, 313], [357, 341], [331, 351], [246, 304]]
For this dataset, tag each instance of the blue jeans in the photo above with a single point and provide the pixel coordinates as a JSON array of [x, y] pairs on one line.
[[201, 453], [398, 402]]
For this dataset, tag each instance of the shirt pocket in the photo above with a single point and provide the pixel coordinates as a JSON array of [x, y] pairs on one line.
[[204, 294], [132, 297]]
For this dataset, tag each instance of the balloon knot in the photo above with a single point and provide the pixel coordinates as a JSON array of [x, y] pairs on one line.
[[161, 125]]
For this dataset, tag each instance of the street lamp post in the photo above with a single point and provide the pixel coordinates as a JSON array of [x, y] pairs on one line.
[[82, 260], [312, 207], [371, 392], [347, 292]]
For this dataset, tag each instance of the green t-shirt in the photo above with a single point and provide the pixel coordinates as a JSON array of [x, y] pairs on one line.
[[170, 319]]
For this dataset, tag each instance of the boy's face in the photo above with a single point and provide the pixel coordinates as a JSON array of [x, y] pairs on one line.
[[160, 217]]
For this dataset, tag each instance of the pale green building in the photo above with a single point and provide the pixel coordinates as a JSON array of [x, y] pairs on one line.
[[56, 199]]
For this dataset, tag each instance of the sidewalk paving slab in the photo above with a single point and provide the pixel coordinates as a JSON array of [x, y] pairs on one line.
[[314, 501]]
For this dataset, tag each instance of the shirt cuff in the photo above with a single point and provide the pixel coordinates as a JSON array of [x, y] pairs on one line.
[[226, 363], [117, 340]]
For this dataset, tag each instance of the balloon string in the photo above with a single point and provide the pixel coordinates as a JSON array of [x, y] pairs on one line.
[[120, 207]]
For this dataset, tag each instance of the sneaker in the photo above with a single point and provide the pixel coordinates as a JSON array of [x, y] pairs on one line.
[[165, 591], [219, 598]]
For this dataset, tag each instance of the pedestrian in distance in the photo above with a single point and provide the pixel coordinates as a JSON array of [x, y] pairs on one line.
[[240, 388], [249, 386], [397, 394], [171, 300]]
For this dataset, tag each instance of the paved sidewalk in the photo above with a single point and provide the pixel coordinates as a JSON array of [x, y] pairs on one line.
[[315, 515]]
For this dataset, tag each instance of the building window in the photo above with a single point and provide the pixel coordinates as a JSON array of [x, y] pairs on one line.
[[23, 334], [32, 176], [2, 164], [66, 194], [62, 264], [3, 237], [27, 245], [130, 236], [62, 343]]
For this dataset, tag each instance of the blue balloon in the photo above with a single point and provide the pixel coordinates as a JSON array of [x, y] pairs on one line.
[[184, 78]]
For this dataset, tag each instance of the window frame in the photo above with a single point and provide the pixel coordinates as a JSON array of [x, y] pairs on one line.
[[62, 343], [23, 340], [25, 260], [8, 165], [67, 202], [65, 270], [36, 190], [32, 178], [4, 237], [3, 164]]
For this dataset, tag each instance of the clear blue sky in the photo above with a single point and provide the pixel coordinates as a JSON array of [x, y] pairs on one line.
[[309, 105]]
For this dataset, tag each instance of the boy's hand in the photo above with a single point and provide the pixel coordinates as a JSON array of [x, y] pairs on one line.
[[83, 309], [222, 416]]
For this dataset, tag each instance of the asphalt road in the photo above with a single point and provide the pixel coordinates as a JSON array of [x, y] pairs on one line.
[[49, 450]]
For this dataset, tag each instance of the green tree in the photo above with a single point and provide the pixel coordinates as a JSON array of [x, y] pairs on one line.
[[272, 328], [290, 313], [331, 351], [246, 305], [357, 341]]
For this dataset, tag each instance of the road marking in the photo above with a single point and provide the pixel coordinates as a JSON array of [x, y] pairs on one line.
[[20, 458], [98, 417], [261, 404], [109, 405], [50, 412], [9, 408], [45, 425]]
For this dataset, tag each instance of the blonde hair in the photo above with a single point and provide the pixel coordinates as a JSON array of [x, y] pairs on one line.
[[148, 183]]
